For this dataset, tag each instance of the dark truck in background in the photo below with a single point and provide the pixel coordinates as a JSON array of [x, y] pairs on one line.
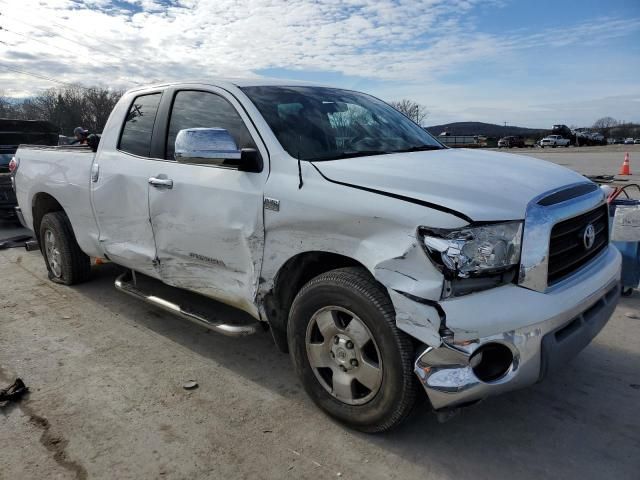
[[12, 134], [579, 137]]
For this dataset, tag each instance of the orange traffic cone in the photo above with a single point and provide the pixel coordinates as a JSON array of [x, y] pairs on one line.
[[626, 168]]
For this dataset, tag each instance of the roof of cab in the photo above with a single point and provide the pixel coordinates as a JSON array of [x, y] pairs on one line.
[[233, 82]]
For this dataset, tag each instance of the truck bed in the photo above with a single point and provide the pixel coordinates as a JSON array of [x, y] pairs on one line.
[[64, 173]]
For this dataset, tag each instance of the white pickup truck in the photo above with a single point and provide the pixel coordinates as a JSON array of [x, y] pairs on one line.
[[375, 255], [554, 141]]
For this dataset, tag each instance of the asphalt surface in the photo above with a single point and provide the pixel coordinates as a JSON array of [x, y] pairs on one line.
[[106, 375], [590, 160]]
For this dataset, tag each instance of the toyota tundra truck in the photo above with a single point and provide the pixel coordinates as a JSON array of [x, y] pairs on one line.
[[384, 262]]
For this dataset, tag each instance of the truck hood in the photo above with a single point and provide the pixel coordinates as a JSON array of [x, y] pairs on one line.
[[481, 185]]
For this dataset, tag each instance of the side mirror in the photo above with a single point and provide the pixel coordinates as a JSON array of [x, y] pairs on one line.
[[205, 146], [215, 146]]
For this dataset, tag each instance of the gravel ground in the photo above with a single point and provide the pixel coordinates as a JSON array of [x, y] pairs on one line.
[[106, 375]]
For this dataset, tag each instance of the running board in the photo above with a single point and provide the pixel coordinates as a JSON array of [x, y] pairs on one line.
[[128, 284]]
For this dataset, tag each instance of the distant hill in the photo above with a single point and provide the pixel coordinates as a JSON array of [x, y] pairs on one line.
[[486, 129]]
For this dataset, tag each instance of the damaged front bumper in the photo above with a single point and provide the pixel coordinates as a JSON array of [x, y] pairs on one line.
[[472, 366]]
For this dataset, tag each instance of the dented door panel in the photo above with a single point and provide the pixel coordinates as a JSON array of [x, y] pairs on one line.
[[121, 208], [209, 231]]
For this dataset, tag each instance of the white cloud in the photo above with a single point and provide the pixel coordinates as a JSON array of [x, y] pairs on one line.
[[407, 42]]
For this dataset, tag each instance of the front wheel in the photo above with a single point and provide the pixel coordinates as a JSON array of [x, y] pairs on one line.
[[66, 263], [352, 360]]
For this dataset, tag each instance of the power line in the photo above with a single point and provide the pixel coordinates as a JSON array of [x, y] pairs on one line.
[[75, 42], [44, 77], [93, 61], [27, 37], [66, 27], [52, 36]]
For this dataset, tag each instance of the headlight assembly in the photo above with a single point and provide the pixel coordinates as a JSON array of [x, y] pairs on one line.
[[474, 252]]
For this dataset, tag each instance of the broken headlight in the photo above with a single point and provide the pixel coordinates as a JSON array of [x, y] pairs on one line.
[[474, 251]]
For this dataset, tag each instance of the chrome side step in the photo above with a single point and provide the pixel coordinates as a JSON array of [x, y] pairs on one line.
[[127, 283]]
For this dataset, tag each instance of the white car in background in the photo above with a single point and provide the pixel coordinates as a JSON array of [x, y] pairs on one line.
[[554, 141], [628, 141]]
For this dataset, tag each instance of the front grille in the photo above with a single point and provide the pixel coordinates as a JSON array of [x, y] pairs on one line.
[[567, 251]]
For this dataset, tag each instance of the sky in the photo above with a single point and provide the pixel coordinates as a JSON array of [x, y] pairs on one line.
[[526, 63]]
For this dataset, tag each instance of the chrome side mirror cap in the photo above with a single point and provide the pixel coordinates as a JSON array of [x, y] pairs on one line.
[[216, 147], [205, 146]]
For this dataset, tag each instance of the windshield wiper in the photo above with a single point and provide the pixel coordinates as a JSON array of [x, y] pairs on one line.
[[339, 156], [419, 148]]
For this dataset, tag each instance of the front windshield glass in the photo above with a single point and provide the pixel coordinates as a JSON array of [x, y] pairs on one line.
[[317, 123]]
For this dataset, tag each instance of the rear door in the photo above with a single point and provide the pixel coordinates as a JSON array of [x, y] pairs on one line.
[[120, 185], [208, 225]]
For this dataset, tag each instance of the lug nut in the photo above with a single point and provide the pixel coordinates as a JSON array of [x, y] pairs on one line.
[[354, 362], [349, 344], [336, 340]]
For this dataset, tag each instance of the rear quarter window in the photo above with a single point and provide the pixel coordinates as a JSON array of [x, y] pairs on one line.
[[138, 125]]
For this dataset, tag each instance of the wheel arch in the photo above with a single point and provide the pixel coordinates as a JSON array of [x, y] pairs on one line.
[[289, 279], [42, 204]]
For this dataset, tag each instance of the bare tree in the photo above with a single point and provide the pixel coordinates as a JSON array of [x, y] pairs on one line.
[[605, 123], [98, 105], [67, 107], [8, 108], [411, 109]]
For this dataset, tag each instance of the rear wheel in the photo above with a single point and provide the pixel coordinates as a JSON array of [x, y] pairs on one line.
[[353, 361], [66, 263]]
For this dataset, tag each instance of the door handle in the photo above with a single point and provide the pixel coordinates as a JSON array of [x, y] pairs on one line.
[[95, 172], [161, 182]]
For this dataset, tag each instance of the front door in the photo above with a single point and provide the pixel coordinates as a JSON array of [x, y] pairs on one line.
[[208, 220], [120, 184]]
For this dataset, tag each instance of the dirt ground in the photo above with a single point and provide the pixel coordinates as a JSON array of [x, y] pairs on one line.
[[106, 373]]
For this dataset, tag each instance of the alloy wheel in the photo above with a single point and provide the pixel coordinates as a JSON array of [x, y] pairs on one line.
[[344, 355]]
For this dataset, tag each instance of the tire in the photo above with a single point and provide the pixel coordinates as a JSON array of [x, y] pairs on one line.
[[344, 296], [66, 263]]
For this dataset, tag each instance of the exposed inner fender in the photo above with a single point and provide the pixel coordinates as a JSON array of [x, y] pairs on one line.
[[419, 320], [414, 291]]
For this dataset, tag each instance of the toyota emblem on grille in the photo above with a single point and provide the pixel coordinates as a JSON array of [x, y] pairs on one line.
[[589, 236]]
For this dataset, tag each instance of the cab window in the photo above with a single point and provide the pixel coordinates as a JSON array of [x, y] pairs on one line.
[[138, 125]]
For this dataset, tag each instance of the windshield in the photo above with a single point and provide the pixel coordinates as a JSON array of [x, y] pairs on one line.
[[317, 123]]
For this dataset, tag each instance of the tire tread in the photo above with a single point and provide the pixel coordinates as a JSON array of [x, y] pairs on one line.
[[76, 265]]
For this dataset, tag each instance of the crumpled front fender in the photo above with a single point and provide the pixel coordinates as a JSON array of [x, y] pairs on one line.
[[412, 285]]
